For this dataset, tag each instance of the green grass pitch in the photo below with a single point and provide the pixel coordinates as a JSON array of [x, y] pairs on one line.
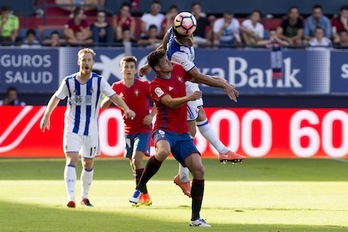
[[257, 195]]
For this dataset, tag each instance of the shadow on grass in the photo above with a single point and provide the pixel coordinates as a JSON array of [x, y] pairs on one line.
[[250, 170], [31, 217]]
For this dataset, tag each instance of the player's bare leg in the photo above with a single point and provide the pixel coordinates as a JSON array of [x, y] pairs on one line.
[[204, 127], [70, 177], [86, 180]]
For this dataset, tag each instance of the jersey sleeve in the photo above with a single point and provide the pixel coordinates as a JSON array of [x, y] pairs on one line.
[[157, 92], [62, 91], [106, 88], [182, 59]]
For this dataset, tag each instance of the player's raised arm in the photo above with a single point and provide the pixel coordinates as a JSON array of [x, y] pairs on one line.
[[219, 82], [146, 69]]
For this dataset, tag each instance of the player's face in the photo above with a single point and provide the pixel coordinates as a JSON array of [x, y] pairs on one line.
[[86, 62], [128, 70], [164, 65], [187, 40]]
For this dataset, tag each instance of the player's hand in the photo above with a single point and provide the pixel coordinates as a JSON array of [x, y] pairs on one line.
[[44, 124], [129, 114], [147, 120], [144, 70], [196, 95], [231, 92]]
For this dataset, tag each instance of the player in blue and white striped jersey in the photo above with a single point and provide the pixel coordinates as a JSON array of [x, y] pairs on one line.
[[84, 90]]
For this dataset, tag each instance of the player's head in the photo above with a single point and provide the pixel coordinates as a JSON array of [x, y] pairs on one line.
[[85, 59], [128, 66], [159, 62], [186, 40]]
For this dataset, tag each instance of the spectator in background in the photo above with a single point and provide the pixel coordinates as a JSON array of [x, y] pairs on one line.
[[102, 32], [9, 26], [54, 40], [252, 30], [317, 19], [274, 40], [77, 31], [152, 40], [31, 40], [226, 30], [168, 21], [343, 41], [37, 7], [11, 98], [127, 42], [152, 18], [124, 20], [339, 23], [291, 28], [86, 5], [319, 39], [203, 33]]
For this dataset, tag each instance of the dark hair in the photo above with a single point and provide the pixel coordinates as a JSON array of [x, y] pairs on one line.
[[293, 7], [156, 2], [228, 12], [153, 26], [154, 57], [195, 3], [77, 11], [55, 33], [11, 88], [173, 7], [317, 6], [256, 11], [344, 7], [344, 31], [30, 32], [4, 8]]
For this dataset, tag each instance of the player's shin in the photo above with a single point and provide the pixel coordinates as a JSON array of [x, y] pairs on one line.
[[197, 192]]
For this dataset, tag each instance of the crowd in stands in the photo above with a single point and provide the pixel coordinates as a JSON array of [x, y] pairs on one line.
[[316, 30]]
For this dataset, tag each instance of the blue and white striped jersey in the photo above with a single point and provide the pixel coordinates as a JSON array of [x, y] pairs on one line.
[[181, 55], [83, 102]]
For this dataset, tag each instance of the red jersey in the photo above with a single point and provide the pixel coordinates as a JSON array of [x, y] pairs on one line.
[[170, 119], [336, 22], [77, 28], [137, 97], [126, 23]]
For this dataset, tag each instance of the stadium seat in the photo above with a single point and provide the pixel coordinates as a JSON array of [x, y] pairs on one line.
[[23, 31]]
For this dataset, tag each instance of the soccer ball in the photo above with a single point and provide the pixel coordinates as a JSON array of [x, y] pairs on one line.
[[185, 23]]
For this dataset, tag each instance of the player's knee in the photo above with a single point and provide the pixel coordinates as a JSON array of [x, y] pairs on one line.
[[199, 172], [72, 159], [162, 154]]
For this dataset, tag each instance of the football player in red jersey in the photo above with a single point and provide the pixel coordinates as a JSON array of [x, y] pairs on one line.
[[170, 133], [135, 93]]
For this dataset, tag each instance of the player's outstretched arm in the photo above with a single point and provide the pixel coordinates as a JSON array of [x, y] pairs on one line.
[[117, 100], [219, 82], [146, 69], [45, 121], [170, 102]]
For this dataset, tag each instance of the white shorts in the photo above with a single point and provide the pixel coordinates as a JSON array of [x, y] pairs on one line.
[[86, 145], [192, 106]]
